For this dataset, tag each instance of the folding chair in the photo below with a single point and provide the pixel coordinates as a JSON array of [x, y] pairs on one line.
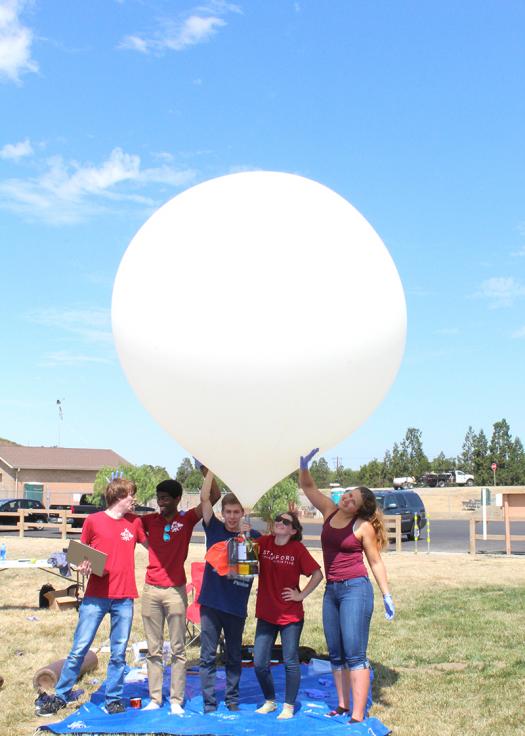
[[193, 612]]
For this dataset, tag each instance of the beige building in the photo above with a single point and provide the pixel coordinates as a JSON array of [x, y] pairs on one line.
[[53, 475]]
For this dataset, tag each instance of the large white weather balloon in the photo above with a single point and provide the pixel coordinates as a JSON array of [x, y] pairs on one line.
[[256, 316]]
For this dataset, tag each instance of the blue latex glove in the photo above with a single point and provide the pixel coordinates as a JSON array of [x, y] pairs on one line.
[[304, 461], [115, 475], [389, 607]]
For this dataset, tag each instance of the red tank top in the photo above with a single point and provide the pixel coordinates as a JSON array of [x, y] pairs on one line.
[[342, 552]]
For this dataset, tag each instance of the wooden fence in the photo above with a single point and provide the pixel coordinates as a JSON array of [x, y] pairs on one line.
[[22, 524], [64, 526]]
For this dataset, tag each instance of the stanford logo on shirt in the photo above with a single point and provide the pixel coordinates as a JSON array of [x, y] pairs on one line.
[[267, 554], [126, 535], [176, 526]]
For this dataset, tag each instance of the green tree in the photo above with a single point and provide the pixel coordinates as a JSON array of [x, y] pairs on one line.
[[193, 482], [442, 463], [399, 465], [386, 471], [371, 474], [146, 478], [500, 449], [346, 476], [320, 471], [516, 463], [481, 460], [412, 447], [184, 470], [282, 497], [466, 459]]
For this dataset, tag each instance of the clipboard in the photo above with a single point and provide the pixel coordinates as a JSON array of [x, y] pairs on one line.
[[78, 552]]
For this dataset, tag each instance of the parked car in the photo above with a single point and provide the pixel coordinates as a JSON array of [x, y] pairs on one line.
[[405, 504], [36, 519], [86, 507]]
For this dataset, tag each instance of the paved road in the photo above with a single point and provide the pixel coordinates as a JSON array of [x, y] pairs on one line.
[[450, 536], [445, 536]]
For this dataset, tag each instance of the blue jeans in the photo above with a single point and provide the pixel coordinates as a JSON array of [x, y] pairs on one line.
[[265, 636], [213, 622], [90, 615], [347, 610]]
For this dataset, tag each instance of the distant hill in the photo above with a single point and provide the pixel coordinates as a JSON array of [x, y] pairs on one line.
[[8, 442]]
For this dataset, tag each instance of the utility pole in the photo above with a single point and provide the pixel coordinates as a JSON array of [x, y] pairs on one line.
[[60, 419], [336, 461]]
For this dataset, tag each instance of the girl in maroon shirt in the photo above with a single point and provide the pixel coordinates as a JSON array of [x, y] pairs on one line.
[[350, 528], [279, 609]]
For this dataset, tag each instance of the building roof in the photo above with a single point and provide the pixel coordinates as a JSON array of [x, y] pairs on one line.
[[58, 458]]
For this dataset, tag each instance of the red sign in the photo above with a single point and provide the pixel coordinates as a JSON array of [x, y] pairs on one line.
[[494, 466]]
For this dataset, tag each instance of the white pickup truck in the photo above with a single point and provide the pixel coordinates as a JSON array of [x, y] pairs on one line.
[[407, 481], [450, 478], [459, 478]]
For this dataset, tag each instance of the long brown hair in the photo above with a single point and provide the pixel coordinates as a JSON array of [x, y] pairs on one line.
[[371, 512]]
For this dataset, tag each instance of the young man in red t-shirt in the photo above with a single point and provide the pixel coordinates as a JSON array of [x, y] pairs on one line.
[[115, 532], [279, 608], [164, 596]]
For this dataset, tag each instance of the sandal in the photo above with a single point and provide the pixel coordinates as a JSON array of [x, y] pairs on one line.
[[337, 712]]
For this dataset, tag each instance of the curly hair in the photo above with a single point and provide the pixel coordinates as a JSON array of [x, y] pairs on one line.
[[371, 512]]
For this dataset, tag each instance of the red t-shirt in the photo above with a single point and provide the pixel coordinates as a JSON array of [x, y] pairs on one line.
[[117, 538], [281, 567], [166, 559]]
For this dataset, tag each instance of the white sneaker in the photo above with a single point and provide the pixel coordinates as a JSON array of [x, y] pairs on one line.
[[176, 709], [152, 705], [267, 707]]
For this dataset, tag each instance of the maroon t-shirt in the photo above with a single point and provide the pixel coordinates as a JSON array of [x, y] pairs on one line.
[[280, 566], [117, 538], [166, 558], [342, 552]]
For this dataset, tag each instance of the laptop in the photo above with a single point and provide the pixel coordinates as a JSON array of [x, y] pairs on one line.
[[78, 552]]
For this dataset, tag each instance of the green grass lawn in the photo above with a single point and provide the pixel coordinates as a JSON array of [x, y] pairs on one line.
[[451, 663]]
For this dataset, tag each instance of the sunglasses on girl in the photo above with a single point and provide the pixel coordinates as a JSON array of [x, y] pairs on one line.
[[284, 520]]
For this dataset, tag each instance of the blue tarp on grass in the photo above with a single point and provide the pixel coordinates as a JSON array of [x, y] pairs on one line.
[[316, 697]]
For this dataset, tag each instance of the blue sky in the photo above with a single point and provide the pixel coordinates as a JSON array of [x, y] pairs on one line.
[[412, 111]]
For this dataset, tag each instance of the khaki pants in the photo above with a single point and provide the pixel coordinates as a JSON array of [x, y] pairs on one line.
[[159, 605]]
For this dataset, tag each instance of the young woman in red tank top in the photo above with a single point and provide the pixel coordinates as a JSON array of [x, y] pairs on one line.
[[350, 528]]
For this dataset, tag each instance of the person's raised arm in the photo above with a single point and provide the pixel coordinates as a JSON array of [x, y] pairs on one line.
[[214, 492], [321, 502], [206, 507]]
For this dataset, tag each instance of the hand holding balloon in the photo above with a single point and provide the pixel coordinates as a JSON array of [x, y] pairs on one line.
[[304, 461]]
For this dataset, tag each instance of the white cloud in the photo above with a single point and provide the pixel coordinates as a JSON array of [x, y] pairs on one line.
[[15, 42], [520, 252], [501, 291], [16, 150], [176, 35], [67, 192], [66, 358], [519, 334], [91, 325]]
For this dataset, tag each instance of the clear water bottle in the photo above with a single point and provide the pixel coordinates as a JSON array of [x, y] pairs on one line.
[[2, 551]]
